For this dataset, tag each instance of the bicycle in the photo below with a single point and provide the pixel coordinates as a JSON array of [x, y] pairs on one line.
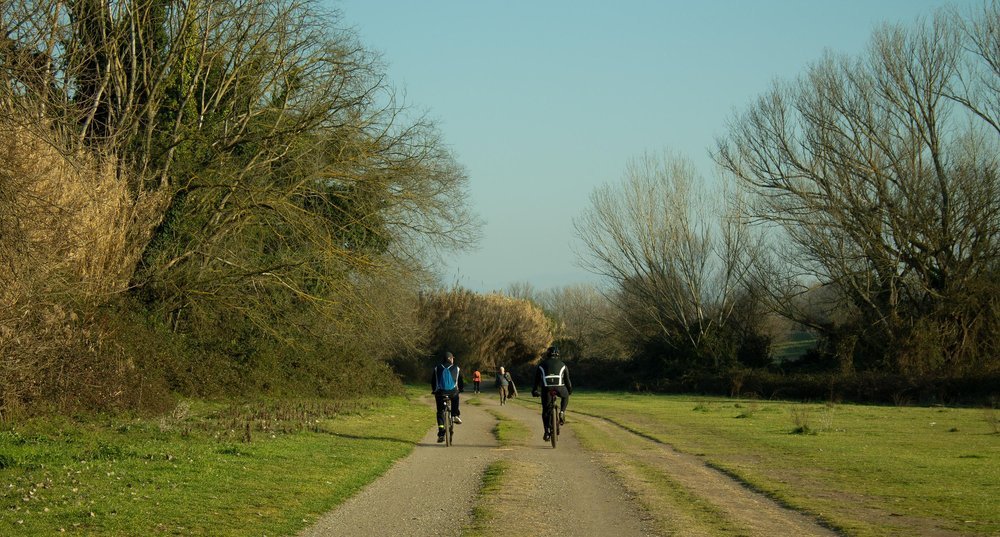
[[449, 422], [553, 417]]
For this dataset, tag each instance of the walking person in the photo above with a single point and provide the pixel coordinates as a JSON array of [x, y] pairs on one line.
[[503, 384], [446, 382], [477, 377]]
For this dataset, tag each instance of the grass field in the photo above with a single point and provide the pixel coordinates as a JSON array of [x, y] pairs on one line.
[[271, 468], [264, 468], [866, 470]]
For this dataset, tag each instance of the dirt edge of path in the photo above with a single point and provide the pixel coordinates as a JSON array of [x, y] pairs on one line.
[[744, 507]]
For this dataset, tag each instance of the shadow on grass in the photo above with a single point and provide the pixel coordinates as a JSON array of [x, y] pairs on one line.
[[377, 438]]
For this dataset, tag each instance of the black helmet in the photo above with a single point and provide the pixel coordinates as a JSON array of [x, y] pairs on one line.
[[552, 351]]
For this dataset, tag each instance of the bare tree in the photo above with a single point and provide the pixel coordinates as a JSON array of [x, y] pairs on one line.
[[670, 250], [586, 322], [522, 291], [879, 176], [977, 85]]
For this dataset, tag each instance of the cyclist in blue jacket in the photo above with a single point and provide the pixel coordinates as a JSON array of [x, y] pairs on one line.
[[446, 381]]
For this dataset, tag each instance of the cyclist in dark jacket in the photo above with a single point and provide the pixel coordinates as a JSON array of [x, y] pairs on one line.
[[552, 374], [446, 381]]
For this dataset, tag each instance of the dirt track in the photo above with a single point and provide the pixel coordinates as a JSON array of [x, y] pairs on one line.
[[409, 499]]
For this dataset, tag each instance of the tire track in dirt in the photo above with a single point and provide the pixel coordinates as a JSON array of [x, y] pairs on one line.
[[545, 491], [745, 512], [562, 491]]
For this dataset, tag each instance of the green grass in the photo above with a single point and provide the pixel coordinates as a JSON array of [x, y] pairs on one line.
[[273, 467], [509, 432], [869, 470], [195, 472], [482, 514]]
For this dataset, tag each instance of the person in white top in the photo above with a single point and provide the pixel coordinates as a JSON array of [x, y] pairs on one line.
[[552, 374]]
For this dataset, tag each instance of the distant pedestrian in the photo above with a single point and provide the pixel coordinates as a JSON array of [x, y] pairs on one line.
[[503, 384], [476, 379]]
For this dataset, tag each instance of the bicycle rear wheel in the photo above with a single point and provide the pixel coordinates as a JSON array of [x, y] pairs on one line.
[[450, 433], [553, 422], [448, 421]]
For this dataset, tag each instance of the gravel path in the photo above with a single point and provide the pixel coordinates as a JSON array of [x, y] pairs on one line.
[[545, 491], [562, 491], [408, 500]]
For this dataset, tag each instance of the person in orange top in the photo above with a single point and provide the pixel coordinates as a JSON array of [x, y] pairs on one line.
[[476, 379]]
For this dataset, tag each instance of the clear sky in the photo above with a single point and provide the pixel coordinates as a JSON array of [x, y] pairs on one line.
[[543, 101]]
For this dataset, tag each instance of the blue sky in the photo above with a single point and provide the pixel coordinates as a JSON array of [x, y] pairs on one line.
[[543, 101]]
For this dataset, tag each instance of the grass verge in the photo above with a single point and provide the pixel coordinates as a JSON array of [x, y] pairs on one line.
[[509, 432], [268, 467], [483, 514], [869, 470], [669, 503], [490, 499]]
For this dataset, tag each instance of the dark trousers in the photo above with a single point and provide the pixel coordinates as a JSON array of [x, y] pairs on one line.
[[439, 398], [477, 385], [547, 408]]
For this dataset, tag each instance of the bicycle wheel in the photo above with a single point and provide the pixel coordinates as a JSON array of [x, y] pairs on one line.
[[450, 424], [558, 422], [553, 422]]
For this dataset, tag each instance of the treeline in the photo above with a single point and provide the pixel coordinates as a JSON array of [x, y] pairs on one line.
[[856, 215], [858, 204], [227, 198], [208, 198]]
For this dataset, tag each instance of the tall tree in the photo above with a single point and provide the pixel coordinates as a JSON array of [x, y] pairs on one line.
[[880, 175], [671, 251], [267, 170], [486, 331]]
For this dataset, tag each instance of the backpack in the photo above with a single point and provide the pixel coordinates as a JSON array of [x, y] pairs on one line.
[[445, 380], [550, 379]]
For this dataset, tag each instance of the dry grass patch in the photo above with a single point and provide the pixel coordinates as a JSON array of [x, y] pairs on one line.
[[507, 489], [71, 232], [632, 461]]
